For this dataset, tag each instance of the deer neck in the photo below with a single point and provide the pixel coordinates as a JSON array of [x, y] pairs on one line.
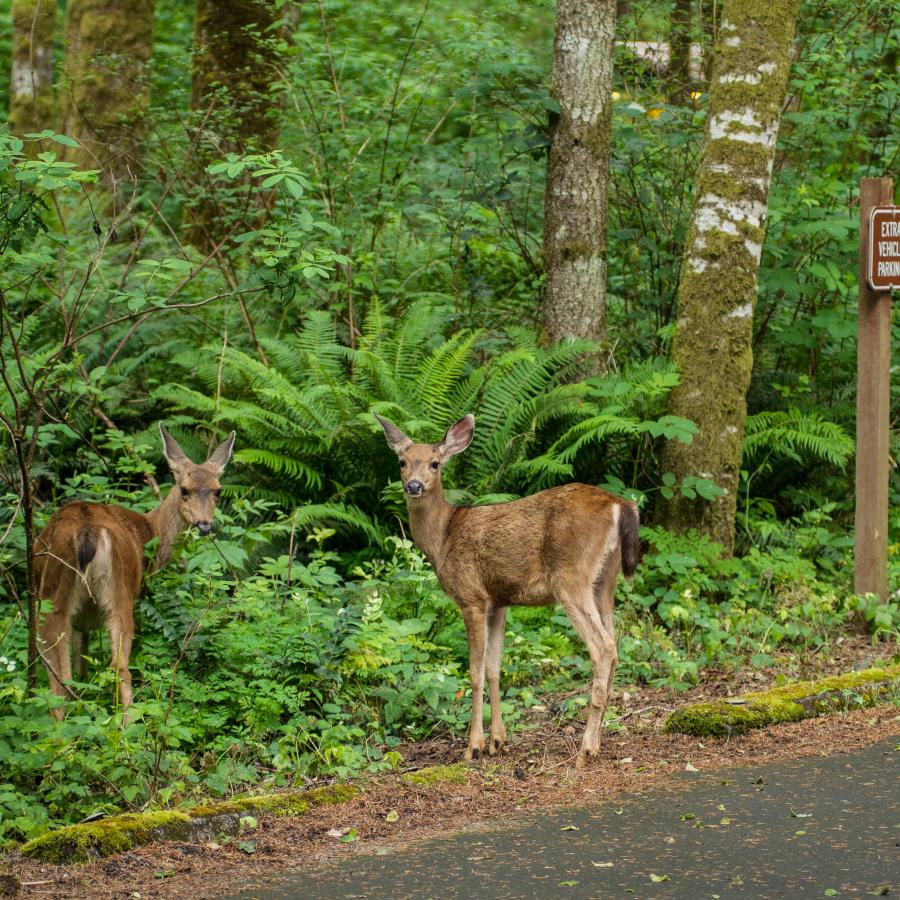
[[429, 517], [167, 524]]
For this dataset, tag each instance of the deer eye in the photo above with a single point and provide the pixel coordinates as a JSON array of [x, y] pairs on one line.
[[402, 463], [435, 465], [185, 493]]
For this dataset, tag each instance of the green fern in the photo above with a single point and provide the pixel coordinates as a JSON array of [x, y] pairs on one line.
[[796, 434]]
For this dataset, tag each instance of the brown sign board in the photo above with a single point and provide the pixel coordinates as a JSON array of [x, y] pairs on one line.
[[883, 269]]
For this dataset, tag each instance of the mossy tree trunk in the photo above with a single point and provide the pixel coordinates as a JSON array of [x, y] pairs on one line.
[[712, 345], [575, 212], [238, 51], [106, 89], [32, 105]]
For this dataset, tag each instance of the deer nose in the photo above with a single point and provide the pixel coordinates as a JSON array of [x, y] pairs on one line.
[[204, 527], [415, 488]]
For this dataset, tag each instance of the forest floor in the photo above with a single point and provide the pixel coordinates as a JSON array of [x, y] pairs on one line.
[[535, 772]]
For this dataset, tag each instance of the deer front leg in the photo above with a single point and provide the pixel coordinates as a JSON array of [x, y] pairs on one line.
[[496, 623], [474, 618]]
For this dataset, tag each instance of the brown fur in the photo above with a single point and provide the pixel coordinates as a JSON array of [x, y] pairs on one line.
[[567, 545], [89, 563]]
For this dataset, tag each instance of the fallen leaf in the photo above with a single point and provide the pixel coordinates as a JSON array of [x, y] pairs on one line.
[[212, 845], [799, 815], [721, 807], [691, 768], [599, 865], [567, 883], [392, 816], [248, 847], [625, 759], [687, 817], [351, 836], [570, 828], [724, 821], [337, 832], [798, 833], [658, 878]]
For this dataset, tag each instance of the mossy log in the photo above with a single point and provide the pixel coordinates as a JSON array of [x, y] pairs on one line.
[[788, 703], [117, 834]]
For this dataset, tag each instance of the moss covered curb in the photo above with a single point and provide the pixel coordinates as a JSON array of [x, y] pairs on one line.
[[116, 834], [787, 703]]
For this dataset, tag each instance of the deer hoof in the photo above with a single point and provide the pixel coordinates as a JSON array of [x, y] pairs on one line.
[[495, 746], [473, 753]]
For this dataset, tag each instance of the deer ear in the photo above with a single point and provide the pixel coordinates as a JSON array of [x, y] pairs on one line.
[[176, 457], [458, 436], [220, 456], [396, 439]]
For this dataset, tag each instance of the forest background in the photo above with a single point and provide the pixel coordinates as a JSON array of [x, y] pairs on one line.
[[339, 208]]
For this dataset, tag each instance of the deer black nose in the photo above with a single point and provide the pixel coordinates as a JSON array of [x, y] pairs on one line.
[[415, 488], [204, 527]]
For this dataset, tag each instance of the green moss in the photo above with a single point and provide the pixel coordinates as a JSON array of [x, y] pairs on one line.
[[291, 803], [787, 703], [455, 774], [79, 843]]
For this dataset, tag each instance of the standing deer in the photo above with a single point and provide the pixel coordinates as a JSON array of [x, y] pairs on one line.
[[89, 562], [564, 544]]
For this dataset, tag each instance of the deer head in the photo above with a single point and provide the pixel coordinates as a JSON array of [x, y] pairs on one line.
[[421, 464], [197, 484]]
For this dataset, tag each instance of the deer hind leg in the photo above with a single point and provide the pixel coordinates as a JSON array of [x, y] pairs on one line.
[[80, 648], [601, 644], [604, 597], [474, 618], [496, 623], [121, 632], [54, 640]]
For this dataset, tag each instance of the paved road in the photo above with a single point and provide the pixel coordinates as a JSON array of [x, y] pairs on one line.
[[807, 828]]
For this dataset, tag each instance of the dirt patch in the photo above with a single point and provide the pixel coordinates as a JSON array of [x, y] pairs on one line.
[[536, 772]]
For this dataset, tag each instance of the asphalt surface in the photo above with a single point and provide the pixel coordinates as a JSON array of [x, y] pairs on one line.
[[805, 828]]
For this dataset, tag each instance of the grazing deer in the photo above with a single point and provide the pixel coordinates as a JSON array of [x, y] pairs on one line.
[[89, 562], [564, 544]]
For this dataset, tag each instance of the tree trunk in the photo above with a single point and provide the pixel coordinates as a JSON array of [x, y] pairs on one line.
[[712, 345], [236, 61], [31, 101], [108, 46], [575, 218], [680, 45]]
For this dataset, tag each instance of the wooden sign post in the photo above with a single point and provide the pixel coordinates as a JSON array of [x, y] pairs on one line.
[[873, 390]]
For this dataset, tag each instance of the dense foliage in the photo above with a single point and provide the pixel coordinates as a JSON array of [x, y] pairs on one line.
[[388, 258]]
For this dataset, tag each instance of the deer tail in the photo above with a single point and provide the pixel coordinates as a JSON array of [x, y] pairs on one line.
[[629, 542], [86, 539]]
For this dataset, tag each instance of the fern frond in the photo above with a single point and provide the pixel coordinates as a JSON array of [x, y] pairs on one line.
[[795, 434]]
